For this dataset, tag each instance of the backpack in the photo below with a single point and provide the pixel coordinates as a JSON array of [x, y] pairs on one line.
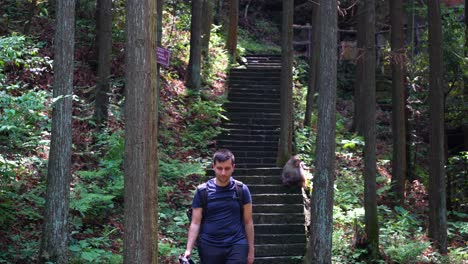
[[203, 193]]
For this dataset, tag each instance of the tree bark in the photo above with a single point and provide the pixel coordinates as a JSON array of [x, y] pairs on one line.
[[54, 241], [358, 101], [207, 20], [286, 130], [465, 76], [141, 134], [314, 64], [398, 102], [322, 196], [193, 80], [231, 42], [368, 99], [104, 44], [437, 191]]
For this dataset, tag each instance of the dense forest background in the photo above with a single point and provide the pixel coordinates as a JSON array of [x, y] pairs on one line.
[[189, 121]]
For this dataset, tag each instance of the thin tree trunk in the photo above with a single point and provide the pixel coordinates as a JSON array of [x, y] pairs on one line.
[[314, 64], [104, 44], [207, 20], [398, 102], [465, 76], [194, 66], [370, 163], [231, 43], [358, 101], [437, 191], [322, 196], [54, 241], [286, 131], [141, 133]]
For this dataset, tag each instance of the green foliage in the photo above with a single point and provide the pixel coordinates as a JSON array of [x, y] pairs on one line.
[[203, 117], [91, 250], [249, 43], [19, 52], [216, 61], [23, 114], [21, 118], [352, 144], [457, 173], [408, 252]]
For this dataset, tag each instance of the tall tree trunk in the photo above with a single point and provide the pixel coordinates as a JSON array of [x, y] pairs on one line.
[[360, 74], [465, 76], [207, 20], [437, 191], [322, 196], [314, 64], [54, 242], [286, 131], [104, 47], [370, 163], [141, 134], [398, 102], [193, 69], [231, 42]]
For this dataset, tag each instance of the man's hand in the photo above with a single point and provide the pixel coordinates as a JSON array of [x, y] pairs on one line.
[[250, 257]]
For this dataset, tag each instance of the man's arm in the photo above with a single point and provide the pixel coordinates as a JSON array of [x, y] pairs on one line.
[[193, 230], [249, 231]]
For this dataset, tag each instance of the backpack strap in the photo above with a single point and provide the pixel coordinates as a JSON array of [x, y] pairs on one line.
[[203, 193], [240, 196]]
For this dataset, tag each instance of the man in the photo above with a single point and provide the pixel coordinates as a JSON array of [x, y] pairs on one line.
[[225, 230]]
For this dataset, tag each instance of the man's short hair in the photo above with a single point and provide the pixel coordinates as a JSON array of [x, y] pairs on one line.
[[223, 155]]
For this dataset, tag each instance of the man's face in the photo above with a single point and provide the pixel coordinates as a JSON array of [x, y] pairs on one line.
[[223, 171]]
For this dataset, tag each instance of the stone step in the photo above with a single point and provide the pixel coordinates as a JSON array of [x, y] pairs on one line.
[[290, 198], [279, 228], [263, 70], [270, 250], [240, 137], [252, 132], [265, 144], [236, 148], [254, 98], [244, 154], [280, 238], [277, 208], [279, 260], [278, 218], [251, 172], [273, 188], [258, 114], [252, 121], [258, 160], [251, 109], [271, 178], [232, 125], [259, 179], [254, 165], [259, 105], [254, 84], [254, 76]]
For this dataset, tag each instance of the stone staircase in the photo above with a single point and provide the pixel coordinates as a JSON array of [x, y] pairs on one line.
[[252, 134]]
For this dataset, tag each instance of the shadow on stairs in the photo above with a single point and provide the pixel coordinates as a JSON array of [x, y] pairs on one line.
[[252, 135]]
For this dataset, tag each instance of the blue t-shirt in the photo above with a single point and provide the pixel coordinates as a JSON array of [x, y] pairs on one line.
[[222, 224]]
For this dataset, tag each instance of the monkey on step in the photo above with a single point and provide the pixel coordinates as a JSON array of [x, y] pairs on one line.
[[294, 172]]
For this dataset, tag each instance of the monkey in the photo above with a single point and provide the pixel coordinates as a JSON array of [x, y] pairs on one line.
[[293, 172]]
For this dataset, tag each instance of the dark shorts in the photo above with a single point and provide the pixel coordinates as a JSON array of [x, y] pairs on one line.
[[235, 254]]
